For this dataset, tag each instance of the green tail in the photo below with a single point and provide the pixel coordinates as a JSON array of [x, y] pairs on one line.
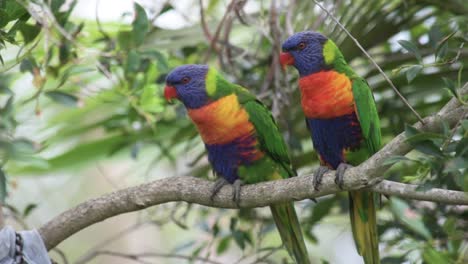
[[290, 231], [364, 225]]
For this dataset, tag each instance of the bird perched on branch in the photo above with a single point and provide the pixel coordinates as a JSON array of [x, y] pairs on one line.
[[242, 139], [343, 121]]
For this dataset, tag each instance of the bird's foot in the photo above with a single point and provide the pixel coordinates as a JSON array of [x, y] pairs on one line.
[[218, 185], [318, 175], [340, 171], [236, 189]]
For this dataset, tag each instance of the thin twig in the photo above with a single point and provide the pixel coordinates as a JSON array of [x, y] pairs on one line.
[[206, 31], [288, 24], [61, 255], [372, 60], [214, 39], [139, 256]]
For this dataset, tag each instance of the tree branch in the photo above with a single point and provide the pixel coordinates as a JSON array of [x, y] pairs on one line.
[[195, 190], [409, 191]]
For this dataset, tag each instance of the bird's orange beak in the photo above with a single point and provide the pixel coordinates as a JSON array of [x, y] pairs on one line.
[[286, 59], [170, 93]]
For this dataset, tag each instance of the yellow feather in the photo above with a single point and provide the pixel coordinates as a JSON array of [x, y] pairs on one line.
[[329, 49], [210, 81]]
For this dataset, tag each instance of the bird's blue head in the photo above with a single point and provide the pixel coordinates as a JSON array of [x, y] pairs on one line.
[[304, 50], [187, 83]]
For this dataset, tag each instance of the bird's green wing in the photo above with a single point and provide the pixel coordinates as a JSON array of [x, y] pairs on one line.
[[367, 114], [362, 204], [270, 139]]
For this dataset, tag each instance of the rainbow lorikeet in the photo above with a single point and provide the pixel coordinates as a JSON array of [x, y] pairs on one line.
[[343, 121], [242, 139]]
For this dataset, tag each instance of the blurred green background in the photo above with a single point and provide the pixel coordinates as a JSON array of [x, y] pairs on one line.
[[82, 114]]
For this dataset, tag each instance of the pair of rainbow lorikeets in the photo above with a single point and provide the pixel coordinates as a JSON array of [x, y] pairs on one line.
[[244, 144]]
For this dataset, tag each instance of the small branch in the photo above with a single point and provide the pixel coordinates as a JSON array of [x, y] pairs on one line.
[[409, 191], [195, 190], [372, 60], [215, 38], [139, 256], [206, 31]]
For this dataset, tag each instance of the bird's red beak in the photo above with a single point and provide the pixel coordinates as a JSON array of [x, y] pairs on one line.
[[286, 59], [170, 93]]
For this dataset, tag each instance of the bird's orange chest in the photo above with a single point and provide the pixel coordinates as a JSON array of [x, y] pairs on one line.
[[222, 121], [326, 94]]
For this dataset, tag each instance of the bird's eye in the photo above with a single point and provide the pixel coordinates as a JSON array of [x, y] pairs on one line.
[[185, 80], [301, 46]]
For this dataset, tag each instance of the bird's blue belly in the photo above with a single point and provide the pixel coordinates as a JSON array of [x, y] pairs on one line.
[[226, 158], [331, 137]]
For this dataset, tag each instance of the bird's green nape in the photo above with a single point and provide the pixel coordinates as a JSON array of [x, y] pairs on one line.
[[217, 86]]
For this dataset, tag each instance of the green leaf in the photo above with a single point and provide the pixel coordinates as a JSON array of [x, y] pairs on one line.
[[29, 32], [450, 226], [3, 186], [451, 87], [408, 217], [412, 72], [28, 65], [140, 25], [5, 90], [162, 64], [320, 210], [77, 156], [411, 131], [441, 51], [71, 71], [64, 53], [23, 146], [223, 245], [63, 98], [215, 229], [150, 101], [442, 46], [424, 136], [462, 147], [410, 47], [124, 38], [55, 5], [233, 223], [211, 6], [429, 148], [394, 159], [197, 251], [239, 238], [3, 18], [455, 165], [133, 62], [9, 11], [435, 35], [167, 7], [433, 256], [464, 125], [421, 141], [7, 109], [29, 208]]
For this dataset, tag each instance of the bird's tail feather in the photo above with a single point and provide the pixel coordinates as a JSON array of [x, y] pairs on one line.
[[364, 225], [290, 231]]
